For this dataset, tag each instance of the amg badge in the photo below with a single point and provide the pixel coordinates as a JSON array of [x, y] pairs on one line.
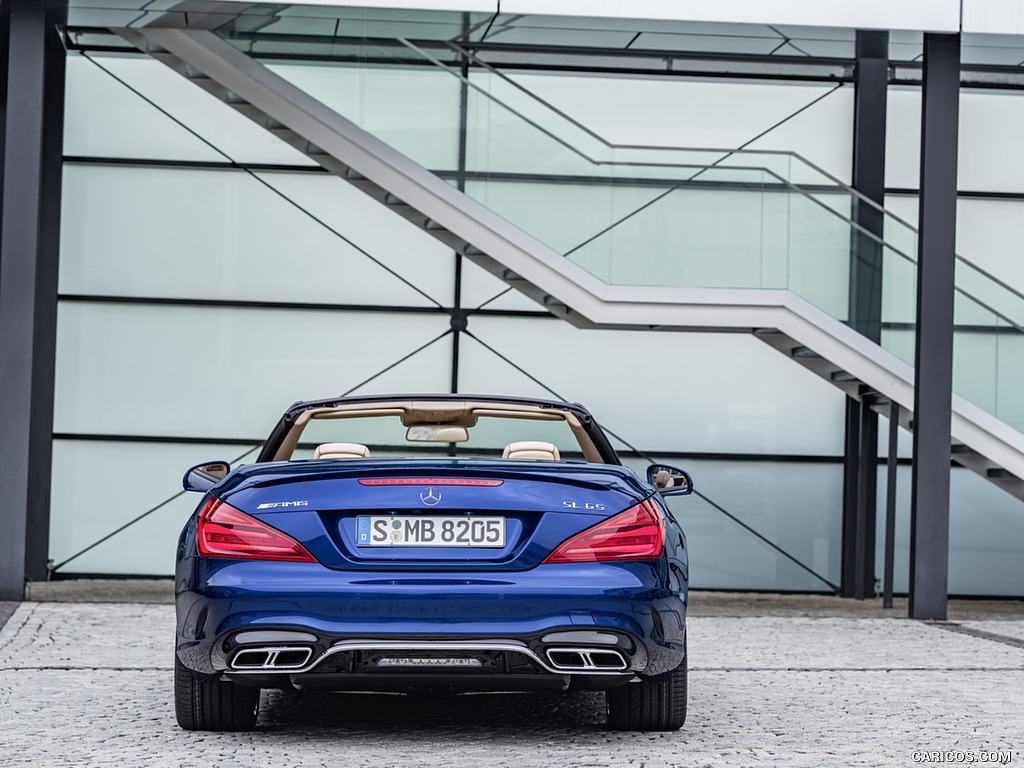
[[283, 504]]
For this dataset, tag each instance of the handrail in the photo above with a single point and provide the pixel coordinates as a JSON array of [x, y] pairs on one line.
[[782, 152], [726, 153]]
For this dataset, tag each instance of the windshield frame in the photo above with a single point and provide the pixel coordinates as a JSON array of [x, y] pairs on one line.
[[286, 435]]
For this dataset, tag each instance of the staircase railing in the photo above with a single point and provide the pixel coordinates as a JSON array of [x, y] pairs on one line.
[[662, 215]]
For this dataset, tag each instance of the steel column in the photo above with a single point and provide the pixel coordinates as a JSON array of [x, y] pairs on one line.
[[459, 316], [929, 521], [851, 499], [871, 82], [28, 287], [890, 503], [37, 544], [864, 542], [5, 39], [860, 488]]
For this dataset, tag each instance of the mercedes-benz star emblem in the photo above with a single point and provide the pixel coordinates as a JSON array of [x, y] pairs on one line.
[[430, 496]]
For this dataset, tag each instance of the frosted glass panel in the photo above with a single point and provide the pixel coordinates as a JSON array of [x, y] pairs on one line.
[[105, 118], [224, 373], [565, 216], [903, 138], [991, 154], [663, 391], [899, 341], [717, 237], [986, 535], [500, 140], [988, 344], [480, 286], [717, 114], [989, 233], [905, 207], [186, 233], [798, 507], [1009, 373], [899, 275], [99, 486], [414, 110]]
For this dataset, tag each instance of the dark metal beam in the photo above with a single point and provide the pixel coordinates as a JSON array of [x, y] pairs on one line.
[[851, 495], [865, 308], [892, 458], [547, 58], [5, 39], [37, 540], [929, 523], [459, 316], [867, 484], [28, 290], [869, 114]]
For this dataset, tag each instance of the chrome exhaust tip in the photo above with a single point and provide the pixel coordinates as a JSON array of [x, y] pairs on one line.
[[271, 658], [586, 659]]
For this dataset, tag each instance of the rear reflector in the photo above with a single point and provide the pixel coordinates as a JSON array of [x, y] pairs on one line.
[[429, 481], [636, 534], [223, 531]]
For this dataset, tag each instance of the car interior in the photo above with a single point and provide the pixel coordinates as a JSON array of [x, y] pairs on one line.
[[461, 429]]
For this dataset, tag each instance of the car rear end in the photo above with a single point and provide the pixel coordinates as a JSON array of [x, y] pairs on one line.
[[393, 575]]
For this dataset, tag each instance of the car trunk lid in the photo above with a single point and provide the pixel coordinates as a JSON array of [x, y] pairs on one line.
[[484, 514]]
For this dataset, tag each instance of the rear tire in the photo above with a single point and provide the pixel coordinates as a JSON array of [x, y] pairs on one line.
[[651, 705], [219, 705]]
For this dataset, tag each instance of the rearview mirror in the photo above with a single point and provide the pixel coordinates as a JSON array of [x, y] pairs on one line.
[[202, 477], [670, 481], [436, 433]]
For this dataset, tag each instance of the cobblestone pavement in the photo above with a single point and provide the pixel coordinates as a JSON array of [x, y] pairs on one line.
[[764, 690]]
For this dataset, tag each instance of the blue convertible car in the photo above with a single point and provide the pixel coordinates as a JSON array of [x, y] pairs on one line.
[[457, 542]]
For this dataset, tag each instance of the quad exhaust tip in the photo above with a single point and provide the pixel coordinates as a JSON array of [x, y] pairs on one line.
[[273, 657], [292, 658], [586, 659]]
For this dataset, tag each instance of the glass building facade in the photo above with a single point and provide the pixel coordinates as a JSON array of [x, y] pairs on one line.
[[211, 274]]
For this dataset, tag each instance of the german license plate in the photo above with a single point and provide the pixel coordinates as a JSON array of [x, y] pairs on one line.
[[429, 531]]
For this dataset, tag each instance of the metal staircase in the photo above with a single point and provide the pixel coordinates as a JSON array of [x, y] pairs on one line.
[[791, 324]]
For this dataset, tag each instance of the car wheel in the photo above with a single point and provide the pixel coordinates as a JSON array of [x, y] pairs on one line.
[[219, 705], [652, 705]]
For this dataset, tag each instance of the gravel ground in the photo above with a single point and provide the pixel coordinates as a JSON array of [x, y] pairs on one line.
[[793, 690]]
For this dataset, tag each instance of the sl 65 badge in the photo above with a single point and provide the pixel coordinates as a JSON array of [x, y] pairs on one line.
[[587, 505]]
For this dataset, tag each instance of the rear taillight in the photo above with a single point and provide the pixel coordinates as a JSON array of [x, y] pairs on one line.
[[636, 534], [223, 531]]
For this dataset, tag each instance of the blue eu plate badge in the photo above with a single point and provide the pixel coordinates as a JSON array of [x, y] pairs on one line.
[[363, 532]]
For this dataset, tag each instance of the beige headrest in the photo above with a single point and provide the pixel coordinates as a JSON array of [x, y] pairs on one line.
[[531, 449], [341, 451], [663, 480]]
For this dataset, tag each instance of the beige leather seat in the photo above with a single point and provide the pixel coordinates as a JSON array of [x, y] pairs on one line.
[[341, 451], [531, 449]]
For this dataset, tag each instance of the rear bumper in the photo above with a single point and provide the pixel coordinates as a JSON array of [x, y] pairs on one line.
[[555, 661], [508, 618]]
